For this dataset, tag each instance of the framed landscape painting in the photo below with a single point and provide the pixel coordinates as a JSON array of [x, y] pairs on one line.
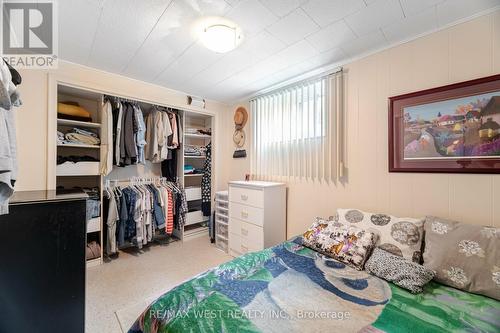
[[454, 128]]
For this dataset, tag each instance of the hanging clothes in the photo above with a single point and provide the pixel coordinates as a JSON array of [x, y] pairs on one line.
[[169, 164], [107, 139], [167, 131], [128, 147], [206, 183], [155, 136], [9, 98], [111, 222], [170, 214], [140, 135], [117, 126], [137, 211]]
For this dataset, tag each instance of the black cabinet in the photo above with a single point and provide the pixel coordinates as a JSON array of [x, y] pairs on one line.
[[42, 263]]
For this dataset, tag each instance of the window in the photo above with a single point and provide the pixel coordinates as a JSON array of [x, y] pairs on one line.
[[295, 130]]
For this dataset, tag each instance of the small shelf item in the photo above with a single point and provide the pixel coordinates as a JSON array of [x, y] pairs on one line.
[[94, 262], [193, 175], [221, 243], [193, 193], [195, 217], [76, 123], [76, 145], [197, 136], [78, 169], [222, 220], [94, 225]]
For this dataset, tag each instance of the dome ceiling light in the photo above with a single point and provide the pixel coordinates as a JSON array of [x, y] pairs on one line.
[[220, 35]]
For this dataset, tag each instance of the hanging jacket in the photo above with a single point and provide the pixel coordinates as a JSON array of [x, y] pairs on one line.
[[206, 183]]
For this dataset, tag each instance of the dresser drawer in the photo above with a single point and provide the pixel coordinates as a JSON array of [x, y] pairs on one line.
[[252, 236], [246, 196], [239, 245], [234, 244], [247, 213], [248, 234], [234, 226]]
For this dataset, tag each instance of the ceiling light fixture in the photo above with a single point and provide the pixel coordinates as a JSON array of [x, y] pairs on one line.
[[222, 36]]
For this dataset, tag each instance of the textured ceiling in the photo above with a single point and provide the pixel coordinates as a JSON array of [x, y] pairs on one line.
[[151, 40]]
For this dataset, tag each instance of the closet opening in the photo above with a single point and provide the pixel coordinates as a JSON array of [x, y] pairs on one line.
[[121, 150]]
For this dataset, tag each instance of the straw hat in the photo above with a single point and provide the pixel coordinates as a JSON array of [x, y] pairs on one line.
[[240, 117]]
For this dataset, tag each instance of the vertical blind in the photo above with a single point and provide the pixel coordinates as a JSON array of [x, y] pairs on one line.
[[297, 130]]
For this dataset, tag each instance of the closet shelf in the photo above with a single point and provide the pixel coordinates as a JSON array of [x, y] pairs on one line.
[[195, 231], [193, 175], [195, 157], [74, 145], [197, 136], [76, 123]]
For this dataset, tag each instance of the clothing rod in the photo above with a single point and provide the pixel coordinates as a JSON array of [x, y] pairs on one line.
[[136, 101], [136, 178]]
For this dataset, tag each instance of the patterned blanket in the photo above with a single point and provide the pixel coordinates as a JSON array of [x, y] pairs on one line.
[[290, 288]]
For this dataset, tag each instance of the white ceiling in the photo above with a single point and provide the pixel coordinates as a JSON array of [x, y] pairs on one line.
[[151, 40]]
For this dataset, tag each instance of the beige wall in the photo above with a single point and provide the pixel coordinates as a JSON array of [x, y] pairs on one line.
[[466, 51], [33, 115], [233, 168]]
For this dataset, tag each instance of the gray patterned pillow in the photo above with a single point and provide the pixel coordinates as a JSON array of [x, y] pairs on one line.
[[399, 236], [401, 272], [464, 256]]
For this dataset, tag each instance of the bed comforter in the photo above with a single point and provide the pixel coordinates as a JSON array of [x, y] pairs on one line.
[[290, 288]]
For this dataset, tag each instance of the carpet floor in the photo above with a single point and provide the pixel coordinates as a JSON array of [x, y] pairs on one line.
[[138, 277]]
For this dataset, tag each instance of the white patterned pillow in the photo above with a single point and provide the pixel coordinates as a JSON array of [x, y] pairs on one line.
[[401, 272], [399, 236]]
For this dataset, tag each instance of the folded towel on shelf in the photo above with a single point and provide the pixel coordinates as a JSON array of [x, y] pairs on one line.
[[192, 130], [84, 132], [75, 159], [72, 109], [60, 138], [191, 150], [188, 169], [77, 118], [83, 139]]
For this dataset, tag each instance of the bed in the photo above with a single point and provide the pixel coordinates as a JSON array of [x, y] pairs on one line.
[[291, 288]]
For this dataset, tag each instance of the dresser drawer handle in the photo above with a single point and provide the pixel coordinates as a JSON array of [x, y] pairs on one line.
[[244, 197], [244, 232], [244, 215]]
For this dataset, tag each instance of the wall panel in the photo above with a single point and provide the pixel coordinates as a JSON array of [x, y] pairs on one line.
[[463, 52]]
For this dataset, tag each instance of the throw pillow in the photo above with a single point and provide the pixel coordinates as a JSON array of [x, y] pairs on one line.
[[348, 244], [404, 273], [464, 256], [399, 236]]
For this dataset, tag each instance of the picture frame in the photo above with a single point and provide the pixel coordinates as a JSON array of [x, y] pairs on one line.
[[449, 129]]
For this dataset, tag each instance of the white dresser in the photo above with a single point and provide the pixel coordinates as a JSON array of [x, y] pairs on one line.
[[257, 215]]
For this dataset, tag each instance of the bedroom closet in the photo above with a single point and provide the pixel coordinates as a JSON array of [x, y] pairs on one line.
[[86, 155]]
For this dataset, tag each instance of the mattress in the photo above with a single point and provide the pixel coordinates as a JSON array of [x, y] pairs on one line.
[[290, 288]]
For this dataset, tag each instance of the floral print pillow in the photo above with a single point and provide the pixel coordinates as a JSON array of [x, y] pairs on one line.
[[464, 256], [399, 236], [348, 244]]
